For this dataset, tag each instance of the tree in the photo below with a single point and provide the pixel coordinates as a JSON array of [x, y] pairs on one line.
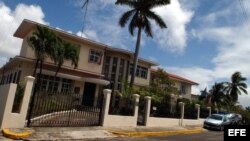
[[248, 108], [217, 96], [140, 15], [65, 51], [42, 41], [236, 86]]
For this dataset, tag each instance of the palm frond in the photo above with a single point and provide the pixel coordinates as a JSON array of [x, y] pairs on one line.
[[242, 84], [125, 17], [147, 27], [156, 3], [132, 24], [159, 21], [130, 3], [243, 89]]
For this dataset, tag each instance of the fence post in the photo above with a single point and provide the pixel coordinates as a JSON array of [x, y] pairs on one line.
[[209, 110], [27, 94], [182, 105], [136, 105], [197, 106], [106, 103], [6, 103], [147, 109]]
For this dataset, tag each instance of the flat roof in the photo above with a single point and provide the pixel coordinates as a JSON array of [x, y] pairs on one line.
[[27, 25]]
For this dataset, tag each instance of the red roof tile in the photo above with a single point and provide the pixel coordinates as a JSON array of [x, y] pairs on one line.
[[174, 76]]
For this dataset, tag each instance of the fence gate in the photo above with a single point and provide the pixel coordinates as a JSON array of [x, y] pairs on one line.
[[62, 109]]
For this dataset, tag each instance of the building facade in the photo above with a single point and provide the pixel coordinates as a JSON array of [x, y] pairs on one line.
[[183, 85], [100, 66]]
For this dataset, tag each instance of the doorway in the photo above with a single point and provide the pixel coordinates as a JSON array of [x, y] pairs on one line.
[[89, 94]]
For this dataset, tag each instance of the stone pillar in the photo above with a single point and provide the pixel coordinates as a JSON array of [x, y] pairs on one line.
[[105, 106], [7, 118], [172, 103], [147, 109], [209, 110], [6, 102], [182, 105], [197, 106], [136, 104]]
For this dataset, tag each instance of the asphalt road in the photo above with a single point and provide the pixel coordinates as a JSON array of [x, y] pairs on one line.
[[205, 136]]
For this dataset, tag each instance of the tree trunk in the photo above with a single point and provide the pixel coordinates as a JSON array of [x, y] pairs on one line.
[[34, 73], [40, 73], [137, 49], [54, 79]]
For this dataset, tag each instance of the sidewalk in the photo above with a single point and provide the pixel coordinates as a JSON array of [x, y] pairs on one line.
[[80, 133]]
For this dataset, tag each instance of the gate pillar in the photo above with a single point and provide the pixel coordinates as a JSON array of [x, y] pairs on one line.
[[7, 118]]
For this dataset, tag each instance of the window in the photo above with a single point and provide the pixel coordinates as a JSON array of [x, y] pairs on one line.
[[14, 79], [183, 88], [106, 66], [140, 71], [95, 56], [53, 84], [114, 65], [121, 69], [66, 85], [10, 79], [18, 76], [144, 72]]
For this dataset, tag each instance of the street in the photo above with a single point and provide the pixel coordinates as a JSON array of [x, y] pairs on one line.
[[205, 136]]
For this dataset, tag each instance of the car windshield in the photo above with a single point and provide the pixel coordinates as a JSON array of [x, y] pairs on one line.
[[217, 117]]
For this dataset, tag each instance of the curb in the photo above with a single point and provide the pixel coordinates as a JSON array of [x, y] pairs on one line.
[[160, 133], [12, 134]]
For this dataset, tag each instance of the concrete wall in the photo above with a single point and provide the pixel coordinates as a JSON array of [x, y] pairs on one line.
[[123, 121], [169, 122], [162, 122], [116, 120], [7, 118], [193, 122]]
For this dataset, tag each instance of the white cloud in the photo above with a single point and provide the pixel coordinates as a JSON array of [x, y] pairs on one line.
[[10, 20], [81, 34], [151, 58], [233, 49], [91, 34], [174, 38]]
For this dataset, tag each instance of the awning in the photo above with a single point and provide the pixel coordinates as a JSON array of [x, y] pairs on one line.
[[86, 79], [96, 80]]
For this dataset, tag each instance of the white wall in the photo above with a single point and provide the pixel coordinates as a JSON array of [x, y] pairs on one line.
[[162, 122], [7, 118], [193, 122], [117, 120]]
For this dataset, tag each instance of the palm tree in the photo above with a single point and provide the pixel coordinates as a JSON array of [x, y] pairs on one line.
[[140, 16], [42, 41], [65, 51], [217, 96], [236, 86]]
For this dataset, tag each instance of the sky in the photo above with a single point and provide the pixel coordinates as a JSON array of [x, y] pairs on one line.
[[206, 40]]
